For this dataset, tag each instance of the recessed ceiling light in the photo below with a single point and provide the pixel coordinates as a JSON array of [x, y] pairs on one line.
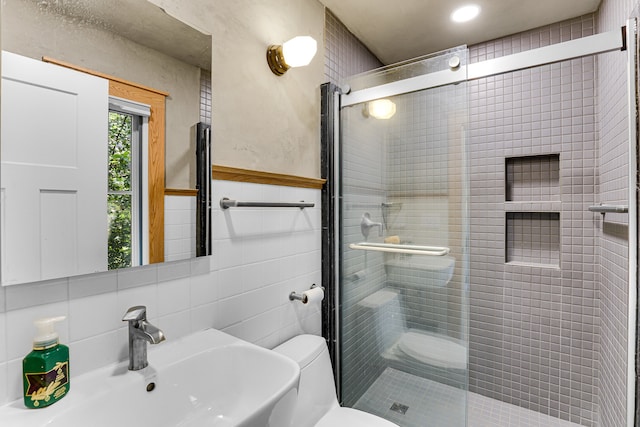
[[465, 13]]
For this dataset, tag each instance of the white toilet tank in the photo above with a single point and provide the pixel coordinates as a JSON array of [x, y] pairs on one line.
[[381, 319], [317, 391]]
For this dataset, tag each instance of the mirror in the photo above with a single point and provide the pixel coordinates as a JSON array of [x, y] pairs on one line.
[[132, 83]]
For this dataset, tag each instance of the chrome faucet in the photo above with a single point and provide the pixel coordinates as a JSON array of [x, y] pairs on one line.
[[366, 224], [140, 332]]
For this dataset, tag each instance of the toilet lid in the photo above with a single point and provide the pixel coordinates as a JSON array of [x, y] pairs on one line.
[[433, 350], [348, 417]]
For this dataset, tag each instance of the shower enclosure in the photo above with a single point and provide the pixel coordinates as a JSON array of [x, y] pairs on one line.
[[443, 164], [403, 273]]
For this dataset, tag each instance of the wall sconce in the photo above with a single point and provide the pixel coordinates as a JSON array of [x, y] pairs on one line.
[[380, 109], [297, 52]]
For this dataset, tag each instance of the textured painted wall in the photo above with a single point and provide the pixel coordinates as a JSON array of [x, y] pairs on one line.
[[261, 121]]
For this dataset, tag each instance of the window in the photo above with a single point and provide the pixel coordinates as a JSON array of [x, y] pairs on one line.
[[125, 187], [122, 192]]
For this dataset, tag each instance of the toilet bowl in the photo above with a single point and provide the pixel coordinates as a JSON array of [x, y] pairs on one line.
[[383, 320], [317, 403]]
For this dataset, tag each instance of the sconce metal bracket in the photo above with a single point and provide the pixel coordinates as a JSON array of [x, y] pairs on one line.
[[275, 58]]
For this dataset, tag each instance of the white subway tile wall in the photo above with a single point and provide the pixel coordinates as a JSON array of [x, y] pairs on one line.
[[244, 292], [179, 227]]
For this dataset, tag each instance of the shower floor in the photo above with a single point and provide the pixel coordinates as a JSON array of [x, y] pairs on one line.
[[440, 405]]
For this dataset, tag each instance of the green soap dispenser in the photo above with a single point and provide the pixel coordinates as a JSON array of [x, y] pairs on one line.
[[46, 368]]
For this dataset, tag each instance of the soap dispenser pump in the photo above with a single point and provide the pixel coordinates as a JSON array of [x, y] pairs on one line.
[[46, 368]]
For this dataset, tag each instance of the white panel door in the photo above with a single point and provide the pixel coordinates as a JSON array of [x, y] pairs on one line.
[[53, 174]]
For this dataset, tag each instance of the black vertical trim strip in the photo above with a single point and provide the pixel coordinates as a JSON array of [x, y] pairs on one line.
[[328, 93], [203, 184], [636, 68]]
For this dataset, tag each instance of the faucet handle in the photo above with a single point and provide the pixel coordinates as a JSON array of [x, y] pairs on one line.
[[366, 223], [138, 312]]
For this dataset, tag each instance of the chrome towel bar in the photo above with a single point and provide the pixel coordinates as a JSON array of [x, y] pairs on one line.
[[226, 203], [603, 209], [401, 249]]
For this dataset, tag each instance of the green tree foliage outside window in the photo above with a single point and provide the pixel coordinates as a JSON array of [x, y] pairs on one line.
[[119, 197]]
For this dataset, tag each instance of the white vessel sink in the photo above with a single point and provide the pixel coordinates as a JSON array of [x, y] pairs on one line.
[[419, 272], [206, 379]]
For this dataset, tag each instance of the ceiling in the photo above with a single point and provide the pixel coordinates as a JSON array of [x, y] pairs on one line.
[[404, 29]]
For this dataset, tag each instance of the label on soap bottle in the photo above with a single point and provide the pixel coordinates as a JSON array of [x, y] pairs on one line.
[[45, 386]]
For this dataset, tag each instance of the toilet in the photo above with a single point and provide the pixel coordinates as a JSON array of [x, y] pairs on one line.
[[382, 319], [317, 403]]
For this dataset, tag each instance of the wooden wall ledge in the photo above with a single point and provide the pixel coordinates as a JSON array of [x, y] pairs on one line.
[[227, 173], [193, 192]]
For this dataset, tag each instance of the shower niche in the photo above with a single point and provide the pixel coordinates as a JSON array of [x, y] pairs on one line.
[[532, 210], [533, 238], [533, 178]]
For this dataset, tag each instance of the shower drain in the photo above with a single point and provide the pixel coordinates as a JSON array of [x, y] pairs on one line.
[[399, 408]]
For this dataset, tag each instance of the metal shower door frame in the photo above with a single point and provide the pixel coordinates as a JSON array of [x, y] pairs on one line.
[[586, 46]]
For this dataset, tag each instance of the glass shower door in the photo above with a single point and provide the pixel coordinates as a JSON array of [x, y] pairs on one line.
[[403, 242]]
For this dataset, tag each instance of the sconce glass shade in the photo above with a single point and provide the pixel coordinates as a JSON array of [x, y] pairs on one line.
[[381, 108], [297, 52]]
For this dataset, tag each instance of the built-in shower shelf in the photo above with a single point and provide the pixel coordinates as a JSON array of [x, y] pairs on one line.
[[533, 238], [517, 264], [534, 206]]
